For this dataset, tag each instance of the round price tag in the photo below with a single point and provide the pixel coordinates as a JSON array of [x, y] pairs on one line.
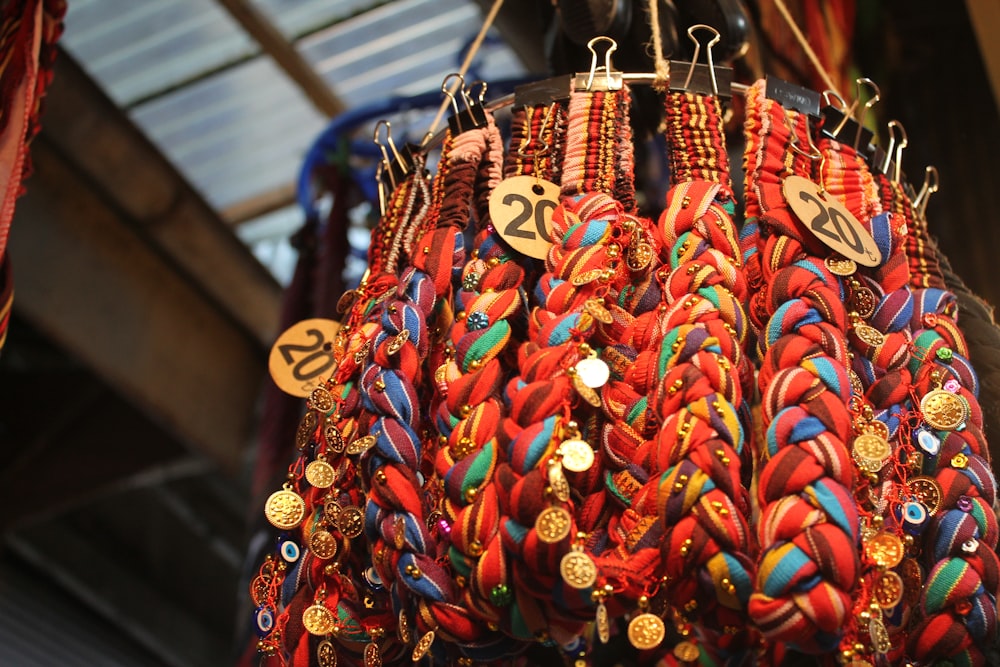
[[830, 221], [302, 357], [521, 209]]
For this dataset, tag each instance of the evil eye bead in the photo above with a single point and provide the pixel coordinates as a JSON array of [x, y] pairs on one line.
[[290, 551], [264, 621], [914, 517], [928, 442]]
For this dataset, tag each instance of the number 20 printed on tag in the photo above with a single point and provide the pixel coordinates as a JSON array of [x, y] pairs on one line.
[[302, 357], [521, 210], [830, 221]]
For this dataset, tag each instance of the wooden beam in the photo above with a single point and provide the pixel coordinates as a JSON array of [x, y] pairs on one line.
[[118, 163], [984, 15], [285, 55], [258, 205], [96, 285]]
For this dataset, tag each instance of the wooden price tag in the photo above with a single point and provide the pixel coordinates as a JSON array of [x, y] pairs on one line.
[[830, 221], [521, 209], [302, 357]]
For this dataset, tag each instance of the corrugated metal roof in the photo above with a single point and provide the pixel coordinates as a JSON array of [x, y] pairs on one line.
[[233, 122]]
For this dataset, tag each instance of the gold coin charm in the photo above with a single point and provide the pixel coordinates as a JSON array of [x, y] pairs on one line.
[[885, 549], [318, 620], [360, 355], [323, 545], [598, 311], [578, 570], [405, 635], [603, 624], [586, 277], [639, 256], [928, 491], [305, 430], [586, 393], [553, 524], [686, 651], [646, 631], [880, 635], [840, 266], [871, 452], [863, 301], [321, 399], [326, 654], [423, 646], [320, 474], [351, 521], [913, 581], [557, 482], [869, 335], [259, 590], [331, 510], [857, 387], [361, 445], [373, 657], [943, 410], [333, 437], [285, 509], [577, 455], [876, 427], [888, 589], [396, 344]]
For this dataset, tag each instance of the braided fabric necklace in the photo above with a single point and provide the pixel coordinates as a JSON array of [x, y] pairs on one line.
[[808, 527]]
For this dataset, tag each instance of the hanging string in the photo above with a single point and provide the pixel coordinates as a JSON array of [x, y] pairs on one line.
[[804, 43], [473, 50], [661, 64]]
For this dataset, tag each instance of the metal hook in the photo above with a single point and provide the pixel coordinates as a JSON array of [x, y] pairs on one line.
[[546, 148], [868, 105], [379, 170], [926, 190], [896, 154], [451, 90], [697, 50], [481, 97], [814, 153], [385, 155], [832, 93], [607, 59]]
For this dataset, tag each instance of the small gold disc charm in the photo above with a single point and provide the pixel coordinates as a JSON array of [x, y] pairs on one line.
[[646, 631], [320, 474], [323, 545], [857, 387], [331, 510], [871, 452], [928, 491], [885, 549], [603, 624], [943, 410], [880, 636], [840, 266], [423, 646], [318, 620], [598, 311], [553, 524], [305, 430], [586, 277], [326, 654], [557, 482], [639, 256], [361, 445], [863, 301], [351, 521], [321, 399], [396, 344], [405, 635], [586, 393], [869, 334], [876, 427], [362, 353], [259, 590], [373, 657], [285, 509], [333, 437], [578, 570], [888, 589], [577, 455], [913, 581], [593, 372], [686, 651]]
